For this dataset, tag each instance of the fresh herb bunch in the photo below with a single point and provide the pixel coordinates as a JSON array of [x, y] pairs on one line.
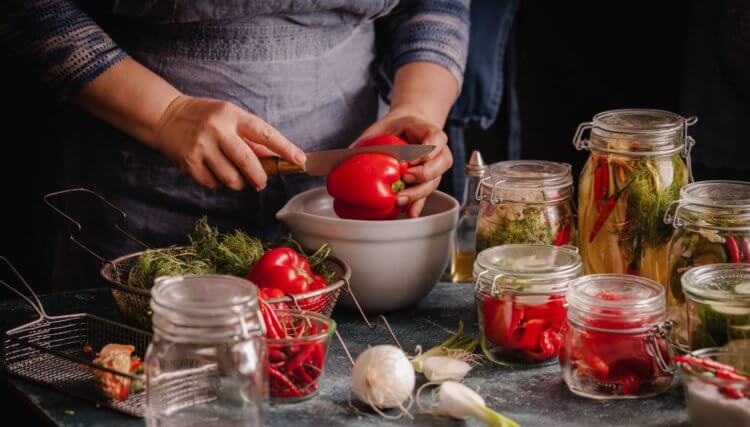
[[533, 228], [211, 252]]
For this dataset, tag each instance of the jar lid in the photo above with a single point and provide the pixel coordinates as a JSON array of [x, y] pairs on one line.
[[719, 282], [205, 307], [526, 268], [636, 131], [616, 301], [715, 204], [526, 181]]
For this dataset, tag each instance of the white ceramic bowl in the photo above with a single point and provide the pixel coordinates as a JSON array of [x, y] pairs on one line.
[[394, 263]]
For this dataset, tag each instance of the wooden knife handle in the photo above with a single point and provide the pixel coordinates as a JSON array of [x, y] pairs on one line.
[[277, 166]]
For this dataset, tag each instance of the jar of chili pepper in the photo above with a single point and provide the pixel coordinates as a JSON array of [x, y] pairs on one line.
[[712, 226], [525, 201], [717, 305], [615, 341], [640, 159], [206, 362], [520, 297]]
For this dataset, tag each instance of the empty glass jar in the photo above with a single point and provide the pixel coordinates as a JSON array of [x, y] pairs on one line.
[[520, 297], [718, 306], [615, 342], [206, 363], [525, 201]]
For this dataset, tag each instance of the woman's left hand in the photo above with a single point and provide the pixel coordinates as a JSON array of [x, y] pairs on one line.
[[423, 175]]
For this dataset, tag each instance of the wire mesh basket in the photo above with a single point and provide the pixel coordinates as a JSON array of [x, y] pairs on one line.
[[133, 302], [55, 351]]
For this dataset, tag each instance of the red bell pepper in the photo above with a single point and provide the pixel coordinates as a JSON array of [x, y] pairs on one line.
[[284, 269], [365, 185], [379, 140]]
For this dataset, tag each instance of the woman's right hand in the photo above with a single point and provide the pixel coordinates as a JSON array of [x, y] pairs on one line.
[[218, 143]]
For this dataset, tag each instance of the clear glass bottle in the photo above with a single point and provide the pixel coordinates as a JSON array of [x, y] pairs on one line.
[[718, 306], [520, 297], [206, 362], [712, 226], [463, 247], [635, 170], [615, 342], [526, 201]]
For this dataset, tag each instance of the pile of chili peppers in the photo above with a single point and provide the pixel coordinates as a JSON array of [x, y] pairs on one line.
[[295, 363], [718, 370], [523, 333], [617, 363]]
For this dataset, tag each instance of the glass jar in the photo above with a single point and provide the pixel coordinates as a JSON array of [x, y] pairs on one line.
[[718, 305], [615, 339], [520, 298], [712, 226], [718, 395], [525, 201], [634, 172], [206, 362]]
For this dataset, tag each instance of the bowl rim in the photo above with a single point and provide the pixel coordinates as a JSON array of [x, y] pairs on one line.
[[343, 221]]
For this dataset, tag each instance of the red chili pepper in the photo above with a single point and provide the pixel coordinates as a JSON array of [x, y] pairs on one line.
[[365, 186], [731, 392], [305, 378], [563, 234], [285, 382], [734, 250], [283, 268], [601, 181], [746, 249], [300, 357], [708, 364], [606, 210]]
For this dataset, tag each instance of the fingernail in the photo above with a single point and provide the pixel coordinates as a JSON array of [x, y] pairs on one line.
[[300, 158], [409, 178], [402, 201]]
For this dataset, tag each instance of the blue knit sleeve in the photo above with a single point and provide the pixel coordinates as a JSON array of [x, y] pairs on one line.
[[64, 45], [435, 31]]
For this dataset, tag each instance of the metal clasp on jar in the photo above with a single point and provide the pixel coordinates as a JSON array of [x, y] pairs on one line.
[[661, 331]]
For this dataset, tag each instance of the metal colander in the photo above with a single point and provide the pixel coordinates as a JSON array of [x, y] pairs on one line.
[[52, 351], [133, 302]]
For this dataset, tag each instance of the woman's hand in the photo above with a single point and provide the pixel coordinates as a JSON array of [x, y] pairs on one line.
[[218, 143], [423, 175]]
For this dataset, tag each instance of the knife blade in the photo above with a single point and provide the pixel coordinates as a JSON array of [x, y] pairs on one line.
[[321, 163]]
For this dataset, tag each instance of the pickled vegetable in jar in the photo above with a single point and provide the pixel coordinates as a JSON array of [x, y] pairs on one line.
[[635, 170], [615, 340], [520, 298], [525, 201], [718, 306], [712, 226]]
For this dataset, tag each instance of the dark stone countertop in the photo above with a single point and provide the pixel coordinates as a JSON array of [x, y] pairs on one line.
[[533, 397]]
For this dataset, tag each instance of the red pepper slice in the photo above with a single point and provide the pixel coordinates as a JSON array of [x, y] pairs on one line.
[[527, 337], [563, 234], [549, 344], [601, 181]]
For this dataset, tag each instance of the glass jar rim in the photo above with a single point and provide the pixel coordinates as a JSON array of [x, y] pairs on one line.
[[329, 322], [547, 270], [653, 132], [641, 296], [707, 353], [526, 175], [718, 282], [206, 307]]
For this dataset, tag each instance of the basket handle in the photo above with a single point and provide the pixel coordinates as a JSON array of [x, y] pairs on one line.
[[49, 198], [35, 303], [371, 325]]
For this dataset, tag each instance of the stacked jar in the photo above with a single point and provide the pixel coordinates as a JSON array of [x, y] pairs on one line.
[[520, 298], [206, 362], [712, 226], [635, 170], [615, 342], [717, 309], [525, 201]]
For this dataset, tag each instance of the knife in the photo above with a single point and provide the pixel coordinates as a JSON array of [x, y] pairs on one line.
[[321, 163]]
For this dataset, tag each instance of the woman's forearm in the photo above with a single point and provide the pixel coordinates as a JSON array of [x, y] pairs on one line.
[[129, 97], [428, 88]]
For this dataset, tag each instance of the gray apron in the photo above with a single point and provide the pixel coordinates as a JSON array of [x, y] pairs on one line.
[[300, 65]]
